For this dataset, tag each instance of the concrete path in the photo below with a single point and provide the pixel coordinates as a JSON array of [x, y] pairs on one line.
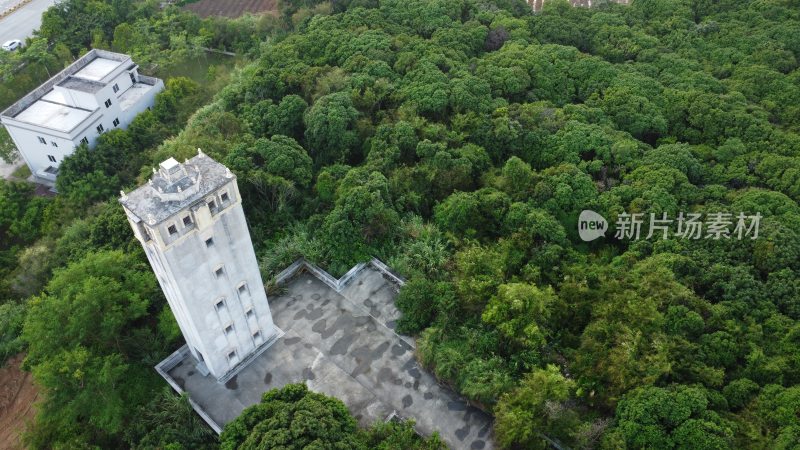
[[7, 169], [344, 347]]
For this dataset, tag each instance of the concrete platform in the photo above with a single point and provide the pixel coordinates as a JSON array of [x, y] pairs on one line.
[[339, 340]]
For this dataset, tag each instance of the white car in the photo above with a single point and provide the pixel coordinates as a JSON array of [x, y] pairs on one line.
[[12, 45]]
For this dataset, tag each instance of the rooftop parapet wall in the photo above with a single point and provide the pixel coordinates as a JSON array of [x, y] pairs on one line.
[[176, 187]]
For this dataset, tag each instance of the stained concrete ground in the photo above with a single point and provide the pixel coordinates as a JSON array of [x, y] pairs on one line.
[[343, 345]]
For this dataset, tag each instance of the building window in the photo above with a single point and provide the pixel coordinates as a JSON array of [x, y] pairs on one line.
[[53, 143], [256, 335], [42, 140], [108, 102], [51, 158], [219, 272], [172, 229], [229, 329], [210, 242], [116, 88], [220, 304], [212, 205], [249, 313], [85, 140], [187, 221], [224, 197], [232, 355], [243, 288], [133, 77], [116, 122], [100, 129]]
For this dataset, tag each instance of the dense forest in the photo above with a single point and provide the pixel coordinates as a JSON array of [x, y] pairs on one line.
[[457, 140]]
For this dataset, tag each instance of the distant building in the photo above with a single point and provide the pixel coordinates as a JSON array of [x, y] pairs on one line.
[[189, 220], [98, 92]]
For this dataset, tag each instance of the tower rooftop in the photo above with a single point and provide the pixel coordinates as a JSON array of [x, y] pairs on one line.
[[176, 186]]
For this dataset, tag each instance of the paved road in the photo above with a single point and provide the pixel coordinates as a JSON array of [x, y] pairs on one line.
[[21, 23]]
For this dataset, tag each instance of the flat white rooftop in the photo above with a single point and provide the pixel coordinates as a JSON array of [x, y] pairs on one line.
[[98, 69], [133, 94], [53, 115]]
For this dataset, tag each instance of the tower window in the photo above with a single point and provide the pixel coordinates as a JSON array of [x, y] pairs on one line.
[[116, 122], [172, 229], [42, 140], [115, 87], [85, 140], [53, 143], [249, 313], [243, 288], [212, 205], [187, 221], [229, 329], [220, 304], [108, 102], [133, 78], [51, 158], [100, 129], [232, 354], [224, 197], [219, 272], [210, 242], [256, 335]]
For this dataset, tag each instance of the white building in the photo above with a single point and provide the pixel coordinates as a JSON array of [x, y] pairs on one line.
[[98, 92], [190, 222]]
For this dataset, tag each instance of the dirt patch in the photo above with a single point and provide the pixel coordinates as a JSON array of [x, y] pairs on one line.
[[232, 8], [18, 396]]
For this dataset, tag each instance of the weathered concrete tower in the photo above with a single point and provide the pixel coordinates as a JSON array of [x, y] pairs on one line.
[[190, 222]]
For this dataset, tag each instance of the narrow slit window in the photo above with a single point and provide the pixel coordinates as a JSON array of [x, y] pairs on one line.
[[85, 140], [116, 88], [220, 304], [243, 288], [249, 313], [229, 329], [232, 355], [53, 143], [219, 272], [100, 129], [116, 122], [108, 102], [210, 242], [51, 158], [256, 335], [42, 140]]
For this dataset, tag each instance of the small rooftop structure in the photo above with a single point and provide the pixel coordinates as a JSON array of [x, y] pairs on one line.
[[340, 340], [100, 67], [175, 186]]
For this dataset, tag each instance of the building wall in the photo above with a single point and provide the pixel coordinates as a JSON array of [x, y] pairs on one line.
[[26, 136], [34, 152], [186, 269]]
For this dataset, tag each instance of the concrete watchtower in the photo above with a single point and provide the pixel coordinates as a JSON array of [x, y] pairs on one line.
[[190, 222]]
